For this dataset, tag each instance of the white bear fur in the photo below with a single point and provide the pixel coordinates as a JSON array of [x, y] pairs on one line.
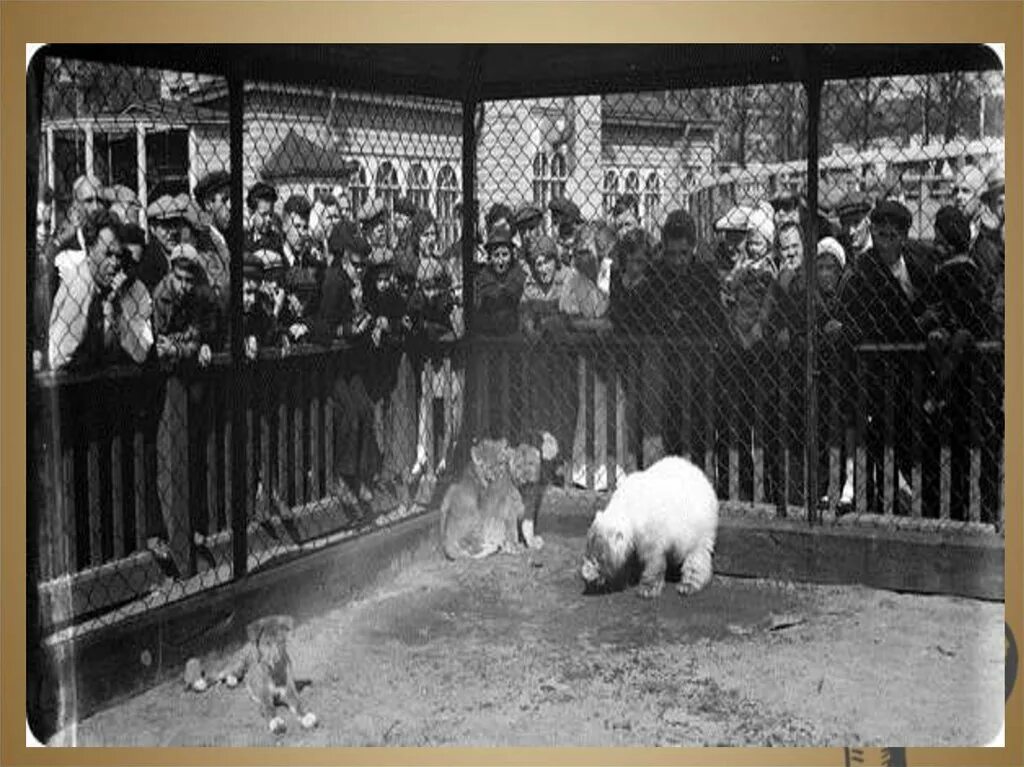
[[667, 515]]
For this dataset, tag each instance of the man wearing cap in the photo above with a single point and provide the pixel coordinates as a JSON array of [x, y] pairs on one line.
[[213, 193], [566, 218], [100, 314], [166, 217], [888, 294], [343, 316], [854, 225], [259, 328], [184, 310], [499, 285], [186, 322], [888, 297], [527, 226]]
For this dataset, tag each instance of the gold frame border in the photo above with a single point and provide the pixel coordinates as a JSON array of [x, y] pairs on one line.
[[300, 21]]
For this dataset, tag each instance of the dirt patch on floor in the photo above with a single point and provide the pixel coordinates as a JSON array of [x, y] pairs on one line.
[[508, 651]]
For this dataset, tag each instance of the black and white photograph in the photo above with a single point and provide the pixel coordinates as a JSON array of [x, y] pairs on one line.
[[516, 395]]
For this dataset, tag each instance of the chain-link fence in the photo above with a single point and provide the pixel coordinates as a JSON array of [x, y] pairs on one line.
[[641, 287], [351, 282], [644, 258]]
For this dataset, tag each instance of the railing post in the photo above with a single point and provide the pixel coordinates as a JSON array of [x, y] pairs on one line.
[[239, 375], [470, 102], [813, 84]]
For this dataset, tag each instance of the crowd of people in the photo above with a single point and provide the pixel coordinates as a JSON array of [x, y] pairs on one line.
[[315, 272]]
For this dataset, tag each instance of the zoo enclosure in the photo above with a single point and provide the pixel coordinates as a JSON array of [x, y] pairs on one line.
[[233, 465]]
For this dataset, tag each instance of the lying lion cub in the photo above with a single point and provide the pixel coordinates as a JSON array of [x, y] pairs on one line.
[[484, 513]]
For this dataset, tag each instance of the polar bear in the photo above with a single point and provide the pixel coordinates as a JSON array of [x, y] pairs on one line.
[[663, 517]]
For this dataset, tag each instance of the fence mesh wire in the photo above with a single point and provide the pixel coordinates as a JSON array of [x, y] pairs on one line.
[[638, 284]]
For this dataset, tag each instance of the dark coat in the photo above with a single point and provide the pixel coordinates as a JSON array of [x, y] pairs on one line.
[[497, 300], [336, 310], [873, 306], [153, 264]]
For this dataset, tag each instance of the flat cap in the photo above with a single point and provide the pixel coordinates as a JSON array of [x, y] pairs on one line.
[[891, 210], [212, 183], [853, 204], [165, 208]]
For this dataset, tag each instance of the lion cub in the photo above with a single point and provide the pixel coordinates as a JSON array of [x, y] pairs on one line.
[[483, 513], [265, 665]]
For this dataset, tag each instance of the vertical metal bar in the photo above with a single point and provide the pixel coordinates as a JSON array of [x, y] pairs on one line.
[[474, 384], [469, 212], [239, 372], [140, 166], [813, 84]]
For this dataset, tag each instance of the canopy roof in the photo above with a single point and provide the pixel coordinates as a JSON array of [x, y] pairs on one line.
[[514, 70]]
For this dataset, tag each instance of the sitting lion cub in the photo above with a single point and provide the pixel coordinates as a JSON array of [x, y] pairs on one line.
[[484, 513], [265, 665]]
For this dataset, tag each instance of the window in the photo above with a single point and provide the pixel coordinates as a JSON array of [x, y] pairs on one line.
[[419, 186], [652, 202], [115, 158], [386, 185], [633, 184], [549, 178], [540, 179], [611, 192], [166, 162], [559, 173], [447, 197], [359, 190]]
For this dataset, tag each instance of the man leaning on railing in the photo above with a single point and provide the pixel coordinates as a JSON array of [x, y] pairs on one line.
[[100, 313]]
